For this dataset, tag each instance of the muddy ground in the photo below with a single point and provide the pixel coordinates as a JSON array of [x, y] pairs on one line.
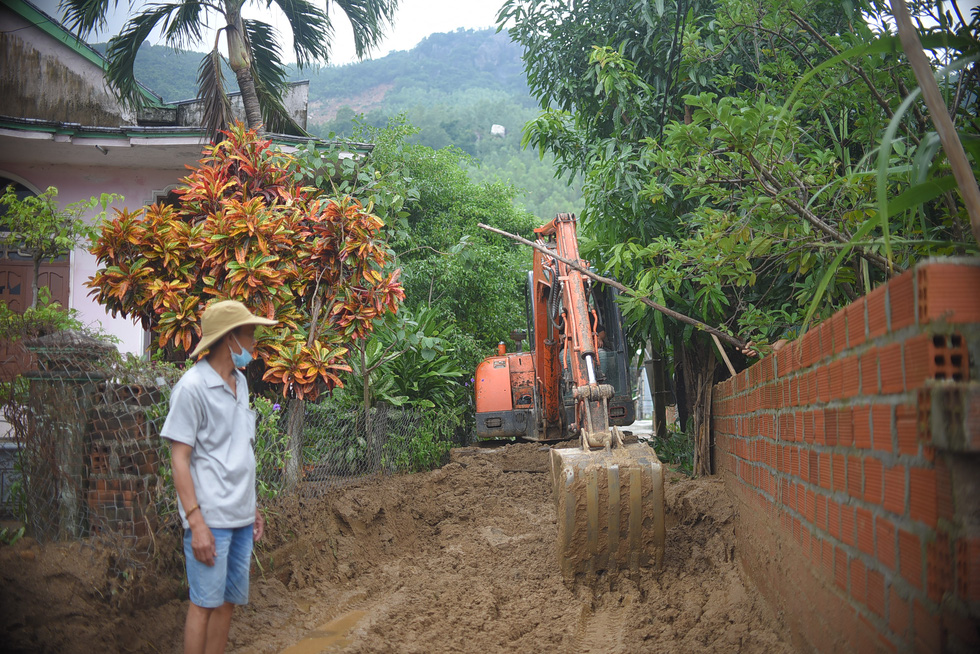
[[460, 559]]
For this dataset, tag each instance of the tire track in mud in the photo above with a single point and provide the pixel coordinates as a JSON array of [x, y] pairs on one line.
[[601, 631]]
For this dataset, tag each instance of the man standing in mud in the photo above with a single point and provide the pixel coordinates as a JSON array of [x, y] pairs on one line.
[[211, 430]]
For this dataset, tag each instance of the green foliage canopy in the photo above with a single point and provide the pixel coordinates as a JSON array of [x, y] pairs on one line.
[[717, 182]]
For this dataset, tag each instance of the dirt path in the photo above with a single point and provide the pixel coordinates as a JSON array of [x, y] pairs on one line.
[[460, 559]]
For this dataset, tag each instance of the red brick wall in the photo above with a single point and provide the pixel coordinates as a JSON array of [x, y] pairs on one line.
[[855, 456], [122, 462]]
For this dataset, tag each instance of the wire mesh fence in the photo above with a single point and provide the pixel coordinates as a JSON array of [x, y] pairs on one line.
[[90, 465]]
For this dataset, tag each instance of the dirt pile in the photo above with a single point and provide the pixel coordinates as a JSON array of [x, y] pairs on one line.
[[461, 559]]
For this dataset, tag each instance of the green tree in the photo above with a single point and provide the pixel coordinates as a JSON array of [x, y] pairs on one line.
[[254, 51], [719, 184], [247, 229], [37, 225]]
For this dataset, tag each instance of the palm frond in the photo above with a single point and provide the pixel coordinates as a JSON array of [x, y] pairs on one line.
[[84, 16], [269, 75], [185, 25], [211, 89], [122, 50], [369, 20], [312, 31]]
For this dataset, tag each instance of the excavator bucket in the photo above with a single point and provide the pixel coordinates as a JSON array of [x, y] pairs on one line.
[[610, 509]]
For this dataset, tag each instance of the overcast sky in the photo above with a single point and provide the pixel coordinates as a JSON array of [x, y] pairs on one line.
[[414, 20]]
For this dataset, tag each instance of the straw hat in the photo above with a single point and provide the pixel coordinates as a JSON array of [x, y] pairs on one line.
[[222, 317]]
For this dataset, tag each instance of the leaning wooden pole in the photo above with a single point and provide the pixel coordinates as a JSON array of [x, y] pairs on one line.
[[939, 114], [622, 289]]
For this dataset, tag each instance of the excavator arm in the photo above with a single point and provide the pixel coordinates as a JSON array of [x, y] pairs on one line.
[[609, 494]]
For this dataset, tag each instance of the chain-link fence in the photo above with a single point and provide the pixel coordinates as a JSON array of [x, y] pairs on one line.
[[93, 467]]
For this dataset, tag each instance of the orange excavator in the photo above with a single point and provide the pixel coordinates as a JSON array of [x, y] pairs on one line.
[[574, 383]]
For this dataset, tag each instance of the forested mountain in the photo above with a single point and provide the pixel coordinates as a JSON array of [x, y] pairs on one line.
[[453, 87]]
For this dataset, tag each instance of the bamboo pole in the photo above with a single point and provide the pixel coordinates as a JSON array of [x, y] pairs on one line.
[[939, 114]]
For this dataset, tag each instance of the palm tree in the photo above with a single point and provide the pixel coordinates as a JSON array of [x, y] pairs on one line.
[[254, 52]]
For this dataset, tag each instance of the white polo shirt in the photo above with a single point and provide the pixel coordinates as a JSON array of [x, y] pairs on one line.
[[220, 427]]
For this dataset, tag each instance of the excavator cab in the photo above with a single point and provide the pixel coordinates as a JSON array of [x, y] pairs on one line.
[[612, 361]]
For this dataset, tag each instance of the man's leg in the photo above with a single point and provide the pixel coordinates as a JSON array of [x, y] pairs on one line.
[[196, 629], [206, 630], [208, 612], [218, 627]]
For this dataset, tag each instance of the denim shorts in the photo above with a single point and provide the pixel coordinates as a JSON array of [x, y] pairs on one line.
[[226, 580]]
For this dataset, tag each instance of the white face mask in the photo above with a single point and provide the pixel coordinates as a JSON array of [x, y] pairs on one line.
[[240, 359]]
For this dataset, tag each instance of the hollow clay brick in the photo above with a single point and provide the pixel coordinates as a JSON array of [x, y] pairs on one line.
[[840, 568], [854, 477], [881, 422], [910, 557], [847, 525], [850, 377], [939, 567], [890, 368], [824, 393], [901, 296], [876, 592], [944, 490], [877, 317], [784, 360], [821, 513], [907, 429], [922, 495], [865, 531], [811, 507], [968, 569], [818, 426], [894, 496], [827, 559], [829, 436], [948, 291], [810, 351], [885, 542], [899, 614], [859, 580], [833, 518], [873, 480], [936, 356], [856, 323], [825, 470], [785, 424], [861, 426], [837, 328], [869, 372], [839, 474], [836, 370], [845, 426]]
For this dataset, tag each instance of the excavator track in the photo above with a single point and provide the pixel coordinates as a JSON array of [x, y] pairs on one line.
[[610, 506]]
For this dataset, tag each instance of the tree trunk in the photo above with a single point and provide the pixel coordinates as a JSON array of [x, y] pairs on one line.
[[295, 420], [240, 61], [656, 379], [698, 363], [35, 283]]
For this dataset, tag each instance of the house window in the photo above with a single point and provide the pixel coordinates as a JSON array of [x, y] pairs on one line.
[[168, 199]]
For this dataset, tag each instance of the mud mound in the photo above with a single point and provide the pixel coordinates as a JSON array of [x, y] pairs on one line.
[[458, 559]]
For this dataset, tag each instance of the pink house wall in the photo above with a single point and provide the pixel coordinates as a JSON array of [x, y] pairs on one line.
[[137, 186]]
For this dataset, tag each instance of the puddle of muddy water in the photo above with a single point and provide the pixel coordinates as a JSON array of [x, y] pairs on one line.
[[333, 634]]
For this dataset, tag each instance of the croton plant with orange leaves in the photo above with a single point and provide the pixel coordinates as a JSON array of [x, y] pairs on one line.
[[246, 229]]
